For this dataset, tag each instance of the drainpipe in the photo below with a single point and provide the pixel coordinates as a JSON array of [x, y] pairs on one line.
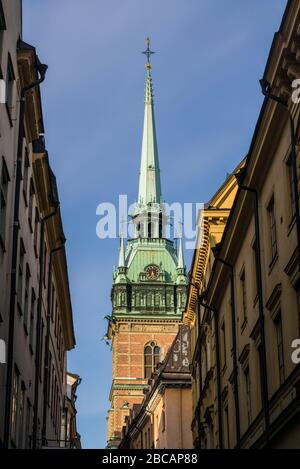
[[47, 341], [267, 92], [263, 354], [218, 365], [41, 69], [38, 327], [234, 346]]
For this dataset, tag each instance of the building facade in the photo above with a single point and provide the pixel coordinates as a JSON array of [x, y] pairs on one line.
[[211, 221], [149, 287], [249, 393], [36, 322], [163, 420]]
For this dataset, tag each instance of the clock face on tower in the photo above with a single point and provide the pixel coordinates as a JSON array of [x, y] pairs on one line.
[[152, 272]]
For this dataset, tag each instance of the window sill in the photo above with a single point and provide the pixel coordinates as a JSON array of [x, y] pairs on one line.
[[9, 115]]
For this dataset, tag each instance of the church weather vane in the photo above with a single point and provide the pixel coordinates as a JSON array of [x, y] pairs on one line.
[[148, 52]]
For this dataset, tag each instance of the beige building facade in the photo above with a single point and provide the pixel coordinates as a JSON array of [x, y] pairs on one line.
[[249, 377], [211, 221], [36, 322], [163, 419]]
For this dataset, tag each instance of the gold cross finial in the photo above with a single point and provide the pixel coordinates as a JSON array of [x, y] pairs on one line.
[[148, 52]]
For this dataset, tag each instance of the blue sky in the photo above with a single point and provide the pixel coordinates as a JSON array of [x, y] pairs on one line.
[[210, 56]]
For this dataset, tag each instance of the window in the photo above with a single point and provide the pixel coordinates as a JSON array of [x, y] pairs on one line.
[[211, 435], [151, 358], [21, 416], [25, 176], [52, 391], [223, 345], [26, 297], [163, 418], [10, 80], [291, 187], [157, 299], [3, 201], [30, 205], [272, 229], [52, 303], [32, 318], [49, 378], [279, 345], [204, 369], [45, 265], [226, 428], [2, 28], [14, 405], [41, 349], [56, 319], [243, 297], [20, 275], [254, 247], [248, 394]]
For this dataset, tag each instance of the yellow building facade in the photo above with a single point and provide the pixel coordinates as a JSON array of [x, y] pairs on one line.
[[211, 224]]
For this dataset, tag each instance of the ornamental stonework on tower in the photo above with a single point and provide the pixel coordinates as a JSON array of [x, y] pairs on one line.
[[149, 286]]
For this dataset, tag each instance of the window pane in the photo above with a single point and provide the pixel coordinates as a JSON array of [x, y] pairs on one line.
[[148, 360]]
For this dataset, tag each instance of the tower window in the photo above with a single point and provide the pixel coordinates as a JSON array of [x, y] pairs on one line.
[[151, 358]]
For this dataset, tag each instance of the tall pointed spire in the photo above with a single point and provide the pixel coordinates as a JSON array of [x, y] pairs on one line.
[[149, 182]]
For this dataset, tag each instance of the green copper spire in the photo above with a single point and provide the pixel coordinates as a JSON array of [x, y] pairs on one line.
[[149, 182]]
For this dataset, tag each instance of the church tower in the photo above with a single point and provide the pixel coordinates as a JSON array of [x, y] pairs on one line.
[[149, 286]]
